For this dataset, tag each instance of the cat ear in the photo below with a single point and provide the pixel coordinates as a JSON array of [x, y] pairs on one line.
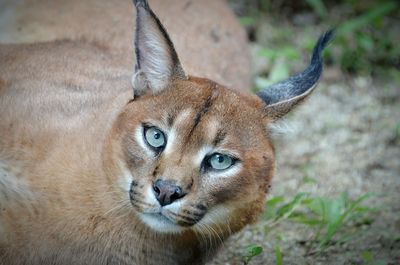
[[282, 97], [157, 62]]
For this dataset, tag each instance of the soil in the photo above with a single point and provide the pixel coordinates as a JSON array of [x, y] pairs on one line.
[[346, 137]]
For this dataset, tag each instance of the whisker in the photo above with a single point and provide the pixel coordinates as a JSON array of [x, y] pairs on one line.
[[199, 231], [120, 204]]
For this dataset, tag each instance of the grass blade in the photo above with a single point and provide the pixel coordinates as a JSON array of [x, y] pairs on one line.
[[278, 255]]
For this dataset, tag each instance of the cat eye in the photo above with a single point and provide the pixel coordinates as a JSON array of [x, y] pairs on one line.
[[219, 161], [155, 138]]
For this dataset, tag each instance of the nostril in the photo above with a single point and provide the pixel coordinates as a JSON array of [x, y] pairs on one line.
[[156, 190], [177, 194]]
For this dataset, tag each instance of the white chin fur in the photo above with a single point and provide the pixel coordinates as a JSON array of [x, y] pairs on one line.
[[160, 223]]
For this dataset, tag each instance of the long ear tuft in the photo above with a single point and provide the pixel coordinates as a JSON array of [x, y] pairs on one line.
[[157, 62], [282, 97], [141, 2]]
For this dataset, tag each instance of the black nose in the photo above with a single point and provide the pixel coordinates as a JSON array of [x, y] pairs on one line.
[[166, 192]]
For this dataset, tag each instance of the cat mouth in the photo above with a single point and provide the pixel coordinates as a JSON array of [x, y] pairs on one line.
[[168, 218], [160, 223]]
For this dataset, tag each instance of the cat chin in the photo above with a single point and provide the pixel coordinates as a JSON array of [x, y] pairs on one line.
[[160, 223]]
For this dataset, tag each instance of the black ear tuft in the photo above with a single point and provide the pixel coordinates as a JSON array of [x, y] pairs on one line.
[[322, 42], [285, 95], [142, 3]]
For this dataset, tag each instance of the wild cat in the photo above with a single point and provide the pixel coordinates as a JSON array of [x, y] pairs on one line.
[[91, 173]]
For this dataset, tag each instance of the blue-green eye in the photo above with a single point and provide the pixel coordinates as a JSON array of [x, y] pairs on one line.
[[219, 161], [155, 137]]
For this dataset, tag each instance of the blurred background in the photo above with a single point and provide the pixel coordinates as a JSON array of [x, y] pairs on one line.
[[367, 39], [335, 198]]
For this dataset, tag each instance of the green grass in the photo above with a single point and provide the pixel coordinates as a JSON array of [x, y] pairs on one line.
[[255, 250], [369, 259], [278, 256], [326, 216], [332, 220], [251, 252]]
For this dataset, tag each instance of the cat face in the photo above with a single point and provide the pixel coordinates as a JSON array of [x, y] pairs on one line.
[[194, 154], [190, 153]]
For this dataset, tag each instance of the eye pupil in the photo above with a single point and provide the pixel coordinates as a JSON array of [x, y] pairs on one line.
[[220, 158], [157, 135]]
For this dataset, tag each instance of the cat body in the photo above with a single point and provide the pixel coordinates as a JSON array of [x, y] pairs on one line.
[[103, 165], [54, 151]]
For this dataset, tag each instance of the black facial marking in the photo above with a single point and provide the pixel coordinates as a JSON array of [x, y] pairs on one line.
[[133, 183], [204, 109], [195, 214], [155, 172], [202, 112], [190, 185], [201, 207], [184, 220], [219, 137], [132, 193], [170, 119], [134, 197]]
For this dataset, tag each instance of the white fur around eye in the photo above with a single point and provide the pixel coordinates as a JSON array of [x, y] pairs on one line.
[[173, 132], [171, 142], [228, 173], [201, 154]]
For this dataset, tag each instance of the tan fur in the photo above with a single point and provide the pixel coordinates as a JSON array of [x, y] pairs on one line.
[[65, 152], [69, 151]]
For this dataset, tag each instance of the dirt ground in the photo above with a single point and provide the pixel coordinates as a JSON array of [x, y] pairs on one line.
[[346, 138]]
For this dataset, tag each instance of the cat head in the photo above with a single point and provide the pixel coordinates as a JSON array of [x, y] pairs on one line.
[[190, 153]]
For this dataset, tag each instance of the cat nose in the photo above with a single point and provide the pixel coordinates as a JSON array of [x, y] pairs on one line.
[[167, 192]]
